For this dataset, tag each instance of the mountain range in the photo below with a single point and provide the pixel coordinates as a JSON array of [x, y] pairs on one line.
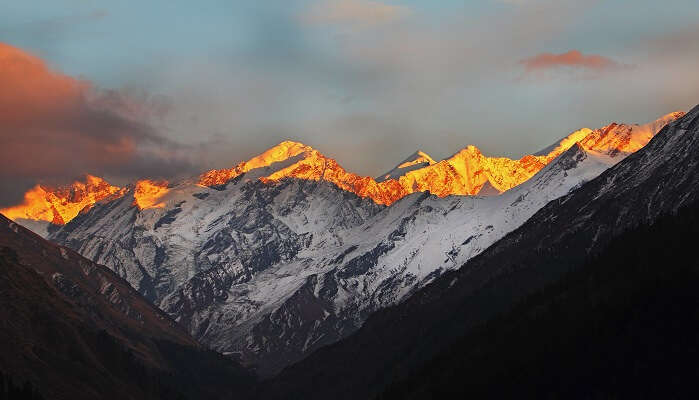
[[288, 252], [419, 283], [464, 173]]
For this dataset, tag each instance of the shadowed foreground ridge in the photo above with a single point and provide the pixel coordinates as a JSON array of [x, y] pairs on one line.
[[622, 326], [73, 329]]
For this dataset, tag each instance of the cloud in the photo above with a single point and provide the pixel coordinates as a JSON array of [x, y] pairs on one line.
[[56, 128], [571, 59], [356, 12]]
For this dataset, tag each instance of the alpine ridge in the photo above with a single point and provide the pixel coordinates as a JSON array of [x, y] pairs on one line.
[[283, 258], [464, 173]]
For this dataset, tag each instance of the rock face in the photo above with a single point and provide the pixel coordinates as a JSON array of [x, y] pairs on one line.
[[288, 252]]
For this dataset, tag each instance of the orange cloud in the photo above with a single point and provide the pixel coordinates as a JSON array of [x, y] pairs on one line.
[[573, 58], [54, 128], [26, 81]]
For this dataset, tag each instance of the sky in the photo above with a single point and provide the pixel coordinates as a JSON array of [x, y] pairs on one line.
[[134, 89]]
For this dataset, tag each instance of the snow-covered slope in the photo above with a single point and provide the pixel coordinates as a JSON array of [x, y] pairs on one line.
[[270, 263]]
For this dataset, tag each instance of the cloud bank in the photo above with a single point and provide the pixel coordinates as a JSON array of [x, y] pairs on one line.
[[56, 128]]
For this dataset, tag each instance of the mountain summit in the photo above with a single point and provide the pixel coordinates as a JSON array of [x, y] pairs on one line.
[[282, 152], [58, 205], [416, 160]]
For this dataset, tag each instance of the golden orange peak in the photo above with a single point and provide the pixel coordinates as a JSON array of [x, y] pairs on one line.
[[35, 206], [281, 152], [624, 138], [317, 167], [672, 116], [567, 142], [468, 151], [61, 204], [417, 158], [467, 171], [148, 193]]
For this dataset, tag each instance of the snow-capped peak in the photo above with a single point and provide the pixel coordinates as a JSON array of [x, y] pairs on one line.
[[625, 138], [59, 205], [279, 153], [418, 159], [564, 144]]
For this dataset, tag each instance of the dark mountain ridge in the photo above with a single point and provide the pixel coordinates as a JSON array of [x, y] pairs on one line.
[[73, 329], [621, 326]]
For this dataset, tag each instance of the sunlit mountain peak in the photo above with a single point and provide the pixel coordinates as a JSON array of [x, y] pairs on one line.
[[418, 159], [59, 205], [281, 152]]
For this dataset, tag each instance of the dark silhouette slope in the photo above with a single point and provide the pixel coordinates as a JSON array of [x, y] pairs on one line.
[[73, 329], [622, 326]]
